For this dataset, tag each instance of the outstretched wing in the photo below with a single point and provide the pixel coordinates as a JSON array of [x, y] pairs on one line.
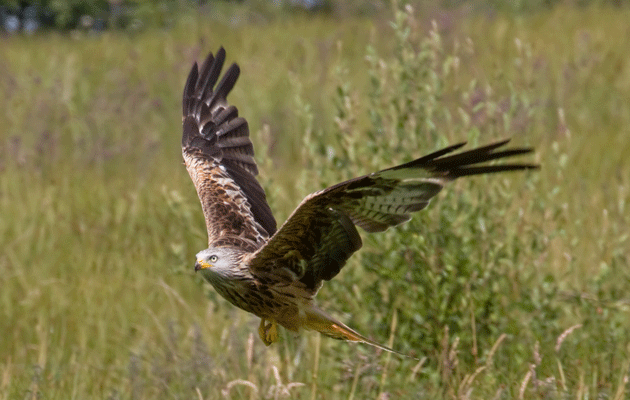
[[219, 158], [320, 235]]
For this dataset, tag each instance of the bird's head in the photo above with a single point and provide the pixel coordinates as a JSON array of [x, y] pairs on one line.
[[216, 261]]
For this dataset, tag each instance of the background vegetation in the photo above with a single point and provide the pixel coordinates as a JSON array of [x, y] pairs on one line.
[[135, 15], [510, 286]]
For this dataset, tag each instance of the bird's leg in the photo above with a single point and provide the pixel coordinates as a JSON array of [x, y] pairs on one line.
[[268, 332], [272, 332], [261, 332]]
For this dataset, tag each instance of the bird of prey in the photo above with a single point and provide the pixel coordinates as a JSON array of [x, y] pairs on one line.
[[276, 273]]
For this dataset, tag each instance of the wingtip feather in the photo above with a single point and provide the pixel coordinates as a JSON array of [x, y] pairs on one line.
[[189, 88]]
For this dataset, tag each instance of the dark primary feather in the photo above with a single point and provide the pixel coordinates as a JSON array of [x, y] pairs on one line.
[[461, 164], [320, 236], [219, 154]]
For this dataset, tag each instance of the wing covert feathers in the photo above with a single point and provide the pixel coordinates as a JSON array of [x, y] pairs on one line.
[[319, 237], [219, 157], [386, 198], [314, 245]]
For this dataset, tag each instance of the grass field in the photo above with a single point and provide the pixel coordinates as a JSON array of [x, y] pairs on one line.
[[507, 287]]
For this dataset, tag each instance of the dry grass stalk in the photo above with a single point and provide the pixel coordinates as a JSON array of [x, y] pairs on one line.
[[226, 391], [564, 335]]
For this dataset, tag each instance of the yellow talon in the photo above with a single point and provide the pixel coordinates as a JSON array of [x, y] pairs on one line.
[[268, 332], [261, 332], [272, 332]]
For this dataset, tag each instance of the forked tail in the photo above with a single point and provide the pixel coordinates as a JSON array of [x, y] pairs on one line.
[[319, 321]]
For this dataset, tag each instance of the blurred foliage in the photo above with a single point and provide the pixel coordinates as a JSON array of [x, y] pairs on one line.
[[99, 15]]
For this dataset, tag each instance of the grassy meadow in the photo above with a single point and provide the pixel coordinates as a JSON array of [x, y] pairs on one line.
[[506, 287]]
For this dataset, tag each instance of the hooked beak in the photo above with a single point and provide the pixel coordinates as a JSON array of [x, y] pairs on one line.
[[201, 265]]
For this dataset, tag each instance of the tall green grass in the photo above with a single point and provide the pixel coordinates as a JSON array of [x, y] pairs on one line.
[[507, 287]]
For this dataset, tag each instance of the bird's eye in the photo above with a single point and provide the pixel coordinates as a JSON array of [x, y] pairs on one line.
[[213, 259]]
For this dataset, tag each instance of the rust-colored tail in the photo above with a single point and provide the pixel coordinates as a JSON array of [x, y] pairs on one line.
[[319, 321]]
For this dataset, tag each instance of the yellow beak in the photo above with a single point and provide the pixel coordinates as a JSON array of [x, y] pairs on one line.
[[200, 264]]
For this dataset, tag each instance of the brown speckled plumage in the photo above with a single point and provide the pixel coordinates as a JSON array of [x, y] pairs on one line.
[[276, 274]]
